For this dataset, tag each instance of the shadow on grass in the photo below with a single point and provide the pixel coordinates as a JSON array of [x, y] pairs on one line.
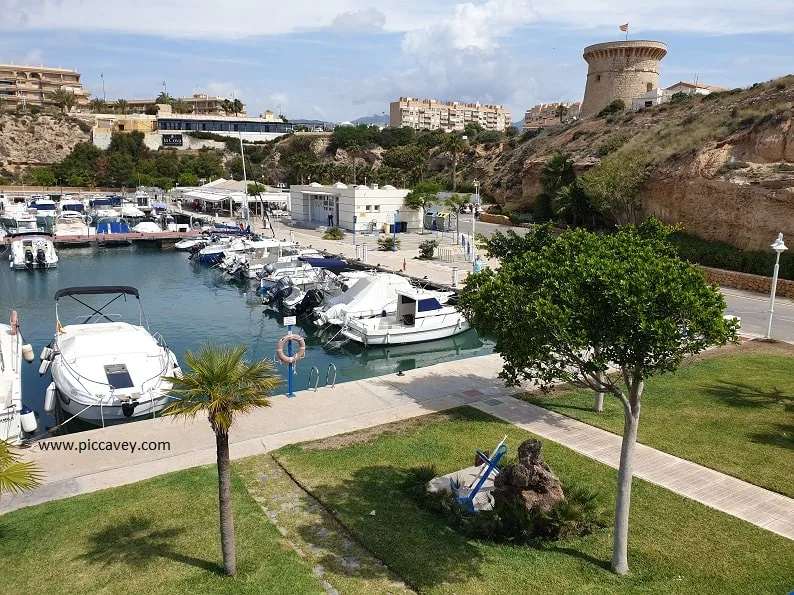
[[412, 542], [137, 544], [783, 438], [603, 564], [741, 395]]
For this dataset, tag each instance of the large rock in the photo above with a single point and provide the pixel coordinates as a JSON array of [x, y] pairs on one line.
[[30, 140], [531, 482]]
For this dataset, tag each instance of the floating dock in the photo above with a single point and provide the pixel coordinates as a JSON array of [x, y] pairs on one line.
[[163, 239]]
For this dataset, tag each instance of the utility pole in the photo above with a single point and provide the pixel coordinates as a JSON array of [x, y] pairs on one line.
[[102, 76]]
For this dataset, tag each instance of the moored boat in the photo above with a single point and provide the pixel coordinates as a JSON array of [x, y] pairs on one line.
[[15, 419], [105, 370], [31, 251]]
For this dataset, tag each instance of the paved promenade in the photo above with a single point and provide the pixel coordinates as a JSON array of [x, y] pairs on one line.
[[365, 403]]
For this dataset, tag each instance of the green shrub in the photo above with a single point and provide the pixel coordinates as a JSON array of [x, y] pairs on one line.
[[680, 97], [542, 208], [779, 86], [427, 249], [732, 165], [387, 243], [579, 134], [784, 167], [333, 233], [611, 144], [724, 256], [613, 108]]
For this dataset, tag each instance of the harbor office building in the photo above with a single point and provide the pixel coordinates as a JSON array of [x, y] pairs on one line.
[[365, 209], [171, 130]]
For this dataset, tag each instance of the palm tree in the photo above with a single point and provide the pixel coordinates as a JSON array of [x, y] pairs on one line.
[[222, 384], [97, 105], [454, 202], [557, 172], [226, 106], [181, 107], [16, 476], [63, 99], [560, 111], [237, 106], [422, 196], [354, 151], [454, 144], [164, 98], [122, 106]]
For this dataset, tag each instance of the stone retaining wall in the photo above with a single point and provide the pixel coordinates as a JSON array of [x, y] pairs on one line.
[[498, 219], [747, 281]]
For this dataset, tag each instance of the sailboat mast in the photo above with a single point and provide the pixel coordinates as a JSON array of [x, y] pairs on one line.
[[245, 183]]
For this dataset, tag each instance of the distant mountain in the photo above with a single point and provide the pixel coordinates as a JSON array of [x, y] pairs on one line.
[[519, 124], [380, 119]]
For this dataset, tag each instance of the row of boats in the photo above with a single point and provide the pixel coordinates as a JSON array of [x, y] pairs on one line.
[[369, 307]]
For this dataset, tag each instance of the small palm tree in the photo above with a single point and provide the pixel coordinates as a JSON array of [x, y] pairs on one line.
[[454, 144], [222, 384], [557, 172], [355, 152], [164, 98], [65, 100], [122, 106], [560, 111], [97, 105], [227, 106], [16, 476], [237, 106]]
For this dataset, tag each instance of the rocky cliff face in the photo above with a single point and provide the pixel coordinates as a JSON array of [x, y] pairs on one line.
[[721, 167], [30, 140]]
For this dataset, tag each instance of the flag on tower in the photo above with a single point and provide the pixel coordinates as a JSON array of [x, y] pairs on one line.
[[624, 28]]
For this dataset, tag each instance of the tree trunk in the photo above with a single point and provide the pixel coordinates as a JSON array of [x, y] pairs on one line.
[[225, 502], [454, 173], [598, 403], [620, 551]]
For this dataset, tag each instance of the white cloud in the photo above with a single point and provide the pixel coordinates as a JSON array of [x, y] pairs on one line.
[[221, 89], [473, 24], [320, 111], [364, 20], [33, 56]]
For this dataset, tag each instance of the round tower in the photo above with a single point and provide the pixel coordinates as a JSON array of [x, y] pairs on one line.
[[620, 70]]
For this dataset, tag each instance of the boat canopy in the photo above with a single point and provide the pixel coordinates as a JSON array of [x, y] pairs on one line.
[[96, 290]]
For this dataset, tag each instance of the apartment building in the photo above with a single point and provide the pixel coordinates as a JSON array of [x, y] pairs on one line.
[[430, 114], [546, 114], [33, 85], [200, 103]]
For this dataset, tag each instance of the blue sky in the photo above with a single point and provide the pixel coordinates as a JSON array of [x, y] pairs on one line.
[[341, 59]]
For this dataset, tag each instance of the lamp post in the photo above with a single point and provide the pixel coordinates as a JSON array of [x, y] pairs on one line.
[[102, 76], [778, 246], [474, 214], [394, 227]]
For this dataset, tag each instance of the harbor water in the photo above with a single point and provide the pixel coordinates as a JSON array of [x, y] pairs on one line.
[[189, 304]]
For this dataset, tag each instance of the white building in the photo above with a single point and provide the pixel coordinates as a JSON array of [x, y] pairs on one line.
[[430, 114], [365, 207], [650, 99]]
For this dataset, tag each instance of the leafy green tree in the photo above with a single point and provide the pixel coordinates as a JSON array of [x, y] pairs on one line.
[[122, 106], [120, 170], [571, 204], [454, 144], [542, 208], [150, 110], [454, 202], [166, 163], [97, 106], [130, 143], [422, 196], [208, 165], [472, 130], [16, 476], [613, 186], [78, 163], [576, 307], [237, 107], [396, 137], [181, 107], [188, 179], [405, 157], [221, 384], [41, 176], [255, 188], [164, 99], [226, 106]]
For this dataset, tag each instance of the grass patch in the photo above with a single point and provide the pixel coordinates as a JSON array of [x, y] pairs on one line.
[[156, 536], [676, 545], [733, 413]]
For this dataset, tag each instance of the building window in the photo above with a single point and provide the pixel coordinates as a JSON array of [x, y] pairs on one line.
[[377, 207], [598, 77], [649, 87], [369, 208]]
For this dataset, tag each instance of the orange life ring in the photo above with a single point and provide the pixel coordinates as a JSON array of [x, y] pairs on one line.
[[14, 322], [283, 341]]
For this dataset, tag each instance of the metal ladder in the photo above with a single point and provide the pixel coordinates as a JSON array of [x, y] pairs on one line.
[[315, 374]]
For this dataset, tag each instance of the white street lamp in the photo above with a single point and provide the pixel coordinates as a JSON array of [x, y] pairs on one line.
[[778, 247]]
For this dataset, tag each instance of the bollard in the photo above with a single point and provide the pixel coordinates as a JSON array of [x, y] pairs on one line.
[[359, 251], [364, 253], [454, 276], [463, 240]]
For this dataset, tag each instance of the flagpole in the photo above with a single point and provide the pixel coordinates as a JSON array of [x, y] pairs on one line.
[[627, 32]]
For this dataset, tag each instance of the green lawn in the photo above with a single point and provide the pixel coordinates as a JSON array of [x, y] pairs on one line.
[[733, 413], [676, 545], [156, 536]]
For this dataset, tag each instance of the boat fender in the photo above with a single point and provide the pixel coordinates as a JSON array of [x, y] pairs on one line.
[[14, 322], [49, 398], [46, 353], [28, 419], [45, 365], [283, 341], [27, 353]]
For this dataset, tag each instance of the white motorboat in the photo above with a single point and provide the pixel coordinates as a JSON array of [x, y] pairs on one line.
[[250, 263], [301, 274], [15, 419], [32, 251], [419, 317], [105, 370], [147, 227], [19, 221], [373, 293]]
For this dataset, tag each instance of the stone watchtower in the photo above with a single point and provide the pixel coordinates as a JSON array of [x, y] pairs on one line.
[[620, 70]]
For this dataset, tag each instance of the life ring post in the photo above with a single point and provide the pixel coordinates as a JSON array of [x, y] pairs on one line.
[[289, 358]]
